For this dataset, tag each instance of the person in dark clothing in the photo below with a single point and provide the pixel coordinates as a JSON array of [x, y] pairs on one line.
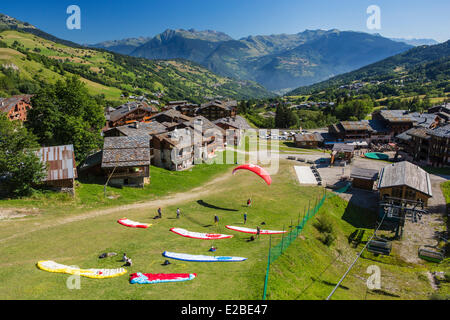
[[159, 213], [249, 202], [258, 231], [245, 218], [178, 213], [216, 219]]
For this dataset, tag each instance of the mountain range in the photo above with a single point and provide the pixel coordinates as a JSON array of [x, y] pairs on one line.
[[420, 66], [278, 62], [31, 58]]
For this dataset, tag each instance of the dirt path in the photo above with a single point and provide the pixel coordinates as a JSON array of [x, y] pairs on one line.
[[424, 232], [208, 188]]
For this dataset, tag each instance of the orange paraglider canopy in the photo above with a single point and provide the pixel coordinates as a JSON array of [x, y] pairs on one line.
[[256, 169]]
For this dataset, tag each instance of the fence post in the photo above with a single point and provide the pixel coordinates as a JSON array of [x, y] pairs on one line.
[[282, 240], [266, 280]]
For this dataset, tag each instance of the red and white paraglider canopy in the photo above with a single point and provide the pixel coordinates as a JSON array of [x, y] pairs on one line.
[[256, 169]]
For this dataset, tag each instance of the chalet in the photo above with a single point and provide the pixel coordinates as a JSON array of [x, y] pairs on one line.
[[350, 131], [126, 160], [363, 178], [439, 155], [16, 107], [397, 121], [61, 167], [170, 117], [364, 130], [185, 108], [233, 127], [175, 150], [131, 112], [428, 146], [209, 135], [217, 109], [405, 181], [342, 151], [308, 140], [136, 129]]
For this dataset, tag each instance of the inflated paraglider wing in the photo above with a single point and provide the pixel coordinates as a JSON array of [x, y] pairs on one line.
[[256, 169]]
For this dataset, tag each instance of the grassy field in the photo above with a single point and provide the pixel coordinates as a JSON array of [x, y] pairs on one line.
[[74, 238], [80, 243]]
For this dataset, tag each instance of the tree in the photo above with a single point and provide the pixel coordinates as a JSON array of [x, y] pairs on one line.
[[20, 167], [65, 113]]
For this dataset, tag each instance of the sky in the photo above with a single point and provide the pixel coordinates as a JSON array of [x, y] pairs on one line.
[[103, 20]]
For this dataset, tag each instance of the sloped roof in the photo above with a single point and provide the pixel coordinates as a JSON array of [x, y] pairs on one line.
[[141, 129], [423, 119], [443, 132], [355, 125], [60, 161], [396, 115], [129, 107], [362, 173], [172, 114], [6, 104], [178, 138], [237, 122], [405, 174], [309, 137], [343, 147], [126, 151]]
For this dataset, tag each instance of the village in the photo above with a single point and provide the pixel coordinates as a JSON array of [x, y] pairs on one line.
[[180, 135]]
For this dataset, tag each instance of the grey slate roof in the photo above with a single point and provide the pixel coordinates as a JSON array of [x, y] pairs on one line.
[[126, 151], [443, 131], [405, 173], [237, 122], [142, 129], [366, 174], [423, 119], [342, 147], [396, 115], [126, 108]]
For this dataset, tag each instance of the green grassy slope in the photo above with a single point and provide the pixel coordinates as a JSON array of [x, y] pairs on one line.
[[41, 60], [417, 66], [80, 242], [310, 270]]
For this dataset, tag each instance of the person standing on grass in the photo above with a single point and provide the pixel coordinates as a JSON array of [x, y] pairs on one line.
[[159, 213], [216, 219], [258, 231], [178, 213], [249, 202], [245, 218]]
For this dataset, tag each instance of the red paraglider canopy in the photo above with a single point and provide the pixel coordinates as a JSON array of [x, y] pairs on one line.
[[256, 169]]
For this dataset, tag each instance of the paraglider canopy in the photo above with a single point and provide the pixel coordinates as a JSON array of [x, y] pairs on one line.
[[255, 169]]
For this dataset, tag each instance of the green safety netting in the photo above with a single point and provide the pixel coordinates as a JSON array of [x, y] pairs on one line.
[[277, 250]]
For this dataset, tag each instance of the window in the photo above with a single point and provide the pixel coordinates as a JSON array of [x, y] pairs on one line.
[[397, 192]]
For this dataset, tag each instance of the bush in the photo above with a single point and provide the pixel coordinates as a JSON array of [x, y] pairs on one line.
[[327, 239], [323, 225]]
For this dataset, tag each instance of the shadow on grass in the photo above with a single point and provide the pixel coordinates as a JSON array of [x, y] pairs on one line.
[[358, 217], [384, 293], [328, 283], [211, 206]]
